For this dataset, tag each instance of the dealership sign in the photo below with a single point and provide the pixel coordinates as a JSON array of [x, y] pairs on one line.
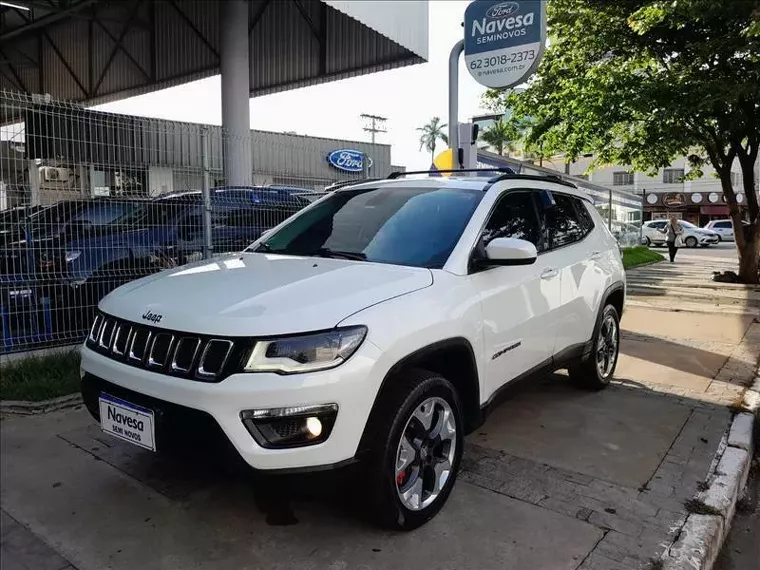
[[504, 41], [347, 160]]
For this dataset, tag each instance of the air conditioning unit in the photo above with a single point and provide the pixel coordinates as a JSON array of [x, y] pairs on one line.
[[54, 174]]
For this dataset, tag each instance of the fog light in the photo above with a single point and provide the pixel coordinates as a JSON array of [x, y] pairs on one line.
[[290, 427], [314, 426]]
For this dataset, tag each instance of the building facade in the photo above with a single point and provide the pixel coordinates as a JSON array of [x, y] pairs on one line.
[[81, 153], [697, 201]]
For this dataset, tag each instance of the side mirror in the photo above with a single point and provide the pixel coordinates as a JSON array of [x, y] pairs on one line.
[[510, 251]]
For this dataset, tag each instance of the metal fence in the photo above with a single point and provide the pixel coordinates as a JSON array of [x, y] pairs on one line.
[[90, 201]]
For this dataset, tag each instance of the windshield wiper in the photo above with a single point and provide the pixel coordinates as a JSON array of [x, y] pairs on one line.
[[337, 254]]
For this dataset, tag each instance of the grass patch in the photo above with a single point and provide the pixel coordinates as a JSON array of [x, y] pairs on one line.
[[697, 507], [633, 256], [40, 378]]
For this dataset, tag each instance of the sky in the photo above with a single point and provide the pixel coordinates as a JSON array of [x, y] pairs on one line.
[[417, 93]]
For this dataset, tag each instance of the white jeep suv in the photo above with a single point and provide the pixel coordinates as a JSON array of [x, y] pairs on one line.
[[377, 326]]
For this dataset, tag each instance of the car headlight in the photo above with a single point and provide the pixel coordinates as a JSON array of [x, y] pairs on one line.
[[72, 255], [306, 353]]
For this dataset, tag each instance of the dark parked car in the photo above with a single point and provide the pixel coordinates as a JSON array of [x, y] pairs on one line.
[[165, 232]]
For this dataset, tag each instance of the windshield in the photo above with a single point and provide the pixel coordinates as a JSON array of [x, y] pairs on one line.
[[418, 227], [153, 214]]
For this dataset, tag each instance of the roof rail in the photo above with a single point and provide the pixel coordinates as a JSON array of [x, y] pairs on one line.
[[503, 169], [344, 183], [544, 177]]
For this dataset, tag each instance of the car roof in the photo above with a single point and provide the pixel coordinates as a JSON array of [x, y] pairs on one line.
[[481, 183]]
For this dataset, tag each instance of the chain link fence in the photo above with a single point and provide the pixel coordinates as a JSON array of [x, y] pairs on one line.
[[90, 201]]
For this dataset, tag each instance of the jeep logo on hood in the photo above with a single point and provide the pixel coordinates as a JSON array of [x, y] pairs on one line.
[[152, 317]]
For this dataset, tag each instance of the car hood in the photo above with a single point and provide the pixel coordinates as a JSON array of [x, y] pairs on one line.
[[255, 294]]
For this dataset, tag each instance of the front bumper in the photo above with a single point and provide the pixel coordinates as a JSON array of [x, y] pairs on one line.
[[182, 404], [708, 240]]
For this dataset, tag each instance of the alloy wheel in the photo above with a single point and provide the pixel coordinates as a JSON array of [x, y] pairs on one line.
[[425, 454], [607, 347]]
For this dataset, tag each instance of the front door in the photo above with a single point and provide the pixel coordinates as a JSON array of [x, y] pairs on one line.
[[518, 302]]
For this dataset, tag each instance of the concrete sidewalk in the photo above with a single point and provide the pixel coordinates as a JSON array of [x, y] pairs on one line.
[[557, 478]]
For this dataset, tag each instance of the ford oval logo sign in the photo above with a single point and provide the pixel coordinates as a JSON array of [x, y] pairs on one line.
[[502, 10], [347, 160]]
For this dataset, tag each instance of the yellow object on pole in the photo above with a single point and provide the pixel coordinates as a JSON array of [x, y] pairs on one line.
[[444, 161]]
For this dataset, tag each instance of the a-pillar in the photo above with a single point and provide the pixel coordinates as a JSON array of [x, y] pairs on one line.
[[236, 114]]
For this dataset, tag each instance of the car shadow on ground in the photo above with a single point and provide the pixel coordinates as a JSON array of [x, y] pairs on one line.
[[539, 415], [554, 474]]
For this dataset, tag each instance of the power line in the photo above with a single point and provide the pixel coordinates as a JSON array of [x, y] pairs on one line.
[[374, 124]]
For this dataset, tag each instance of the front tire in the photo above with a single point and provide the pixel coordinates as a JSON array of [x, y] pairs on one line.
[[690, 241], [598, 369], [414, 459]]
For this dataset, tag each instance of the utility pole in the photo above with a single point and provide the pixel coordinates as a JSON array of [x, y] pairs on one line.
[[374, 124]]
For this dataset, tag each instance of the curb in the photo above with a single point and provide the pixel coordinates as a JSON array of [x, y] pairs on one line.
[[26, 408], [700, 539]]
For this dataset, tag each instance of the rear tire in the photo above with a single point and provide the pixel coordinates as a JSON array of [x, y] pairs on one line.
[[414, 457], [598, 369], [646, 241]]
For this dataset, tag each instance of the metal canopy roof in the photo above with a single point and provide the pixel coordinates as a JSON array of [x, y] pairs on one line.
[[93, 51]]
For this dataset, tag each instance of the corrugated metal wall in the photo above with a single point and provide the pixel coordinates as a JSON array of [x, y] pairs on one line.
[[106, 140], [110, 50]]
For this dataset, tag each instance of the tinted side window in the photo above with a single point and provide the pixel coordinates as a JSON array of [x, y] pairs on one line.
[[587, 222], [657, 225], [100, 214], [725, 225], [514, 216], [565, 226]]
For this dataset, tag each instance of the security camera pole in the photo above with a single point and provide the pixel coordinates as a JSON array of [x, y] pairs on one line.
[[503, 44]]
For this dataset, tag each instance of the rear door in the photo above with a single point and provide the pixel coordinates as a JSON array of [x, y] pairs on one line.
[[724, 229], [652, 231], [518, 302], [582, 258]]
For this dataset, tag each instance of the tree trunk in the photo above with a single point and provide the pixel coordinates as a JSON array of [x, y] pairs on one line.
[[747, 241], [749, 255]]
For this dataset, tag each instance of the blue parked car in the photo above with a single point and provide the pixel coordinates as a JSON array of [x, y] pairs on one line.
[[163, 233]]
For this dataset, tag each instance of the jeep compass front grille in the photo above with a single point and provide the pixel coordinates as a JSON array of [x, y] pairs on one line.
[[197, 357]]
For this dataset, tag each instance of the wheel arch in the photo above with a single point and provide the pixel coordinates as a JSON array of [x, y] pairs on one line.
[[614, 295], [454, 359]]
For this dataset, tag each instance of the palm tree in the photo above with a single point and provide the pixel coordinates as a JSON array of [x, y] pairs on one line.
[[432, 132], [500, 136]]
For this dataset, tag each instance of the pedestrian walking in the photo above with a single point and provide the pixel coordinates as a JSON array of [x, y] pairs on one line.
[[673, 231]]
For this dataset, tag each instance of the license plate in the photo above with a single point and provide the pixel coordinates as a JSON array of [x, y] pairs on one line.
[[127, 421]]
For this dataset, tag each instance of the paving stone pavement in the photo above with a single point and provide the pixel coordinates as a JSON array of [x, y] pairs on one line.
[[556, 479], [637, 522], [20, 549]]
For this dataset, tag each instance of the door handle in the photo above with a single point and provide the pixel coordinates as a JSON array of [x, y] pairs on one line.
[[596, 254], [549, 273]]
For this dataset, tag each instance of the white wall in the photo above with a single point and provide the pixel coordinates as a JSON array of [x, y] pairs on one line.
[[160, 180]]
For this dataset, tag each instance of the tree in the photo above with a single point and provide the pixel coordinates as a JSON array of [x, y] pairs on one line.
[[501, 136], [432, 132], [640, 82]]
